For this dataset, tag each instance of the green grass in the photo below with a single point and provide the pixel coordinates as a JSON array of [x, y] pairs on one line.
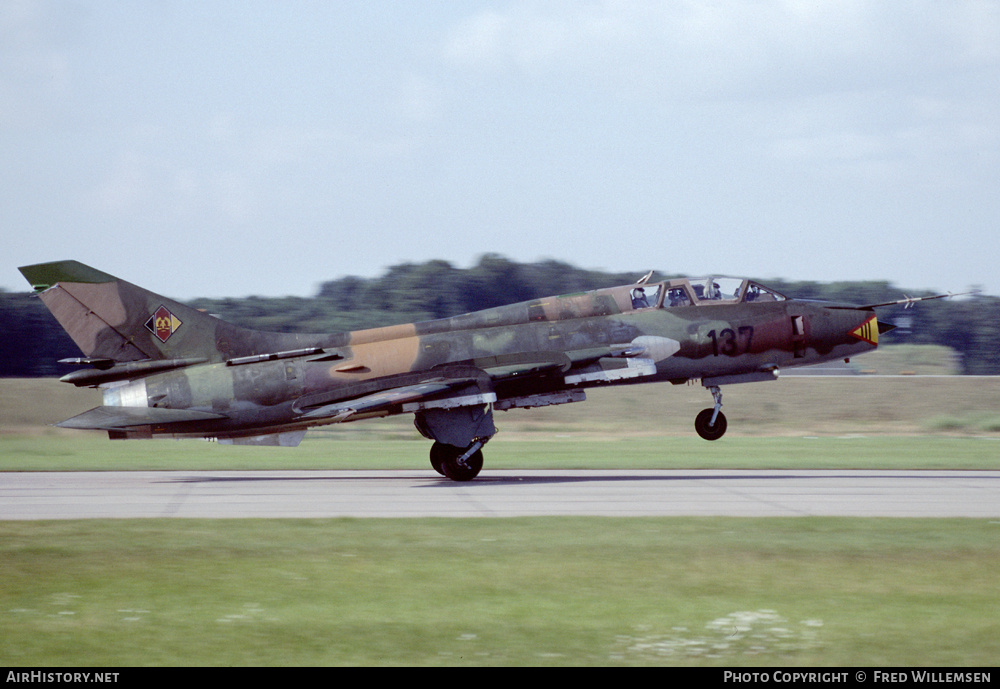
[[920, 360], [531, 591], [94, 452], [557, 591], [983, 422]]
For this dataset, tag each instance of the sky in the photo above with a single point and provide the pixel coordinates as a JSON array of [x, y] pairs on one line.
[[211, 148]]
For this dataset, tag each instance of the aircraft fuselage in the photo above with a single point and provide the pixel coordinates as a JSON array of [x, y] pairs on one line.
[[166, 369]]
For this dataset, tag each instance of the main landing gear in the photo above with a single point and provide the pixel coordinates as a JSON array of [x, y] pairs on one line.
[[456, 463], [459, 434], [711, 423]]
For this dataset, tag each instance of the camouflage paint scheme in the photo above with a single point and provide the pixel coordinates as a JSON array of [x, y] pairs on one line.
[[169, 370]]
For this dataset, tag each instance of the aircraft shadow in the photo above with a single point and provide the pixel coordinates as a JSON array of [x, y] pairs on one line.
[[432, 480]]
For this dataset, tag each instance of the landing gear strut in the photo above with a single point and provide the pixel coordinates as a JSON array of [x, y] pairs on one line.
[[711, 423], [456, 463]]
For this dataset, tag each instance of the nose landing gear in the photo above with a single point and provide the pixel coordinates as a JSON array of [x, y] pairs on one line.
[[711, 423]]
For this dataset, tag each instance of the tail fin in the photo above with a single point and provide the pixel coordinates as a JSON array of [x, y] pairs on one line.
[[115, 320]]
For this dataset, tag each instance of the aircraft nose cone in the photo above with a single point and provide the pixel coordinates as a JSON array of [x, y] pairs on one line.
[[868, 331], [856, 328]]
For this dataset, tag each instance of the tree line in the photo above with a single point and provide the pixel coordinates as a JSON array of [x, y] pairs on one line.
[[32, 341]]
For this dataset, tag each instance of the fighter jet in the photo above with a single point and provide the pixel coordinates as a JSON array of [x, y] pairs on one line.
[[168, 370]]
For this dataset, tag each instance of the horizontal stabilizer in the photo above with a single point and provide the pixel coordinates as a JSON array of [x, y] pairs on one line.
[[106, 418]]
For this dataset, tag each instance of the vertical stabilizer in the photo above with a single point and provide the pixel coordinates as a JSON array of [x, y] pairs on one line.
[[109, 318]]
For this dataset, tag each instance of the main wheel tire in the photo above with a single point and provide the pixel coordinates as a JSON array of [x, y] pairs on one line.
[[439, 455], [708, 431], [466, 471]]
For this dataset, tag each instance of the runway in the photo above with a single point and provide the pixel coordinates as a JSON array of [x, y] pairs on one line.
[[324, 494]]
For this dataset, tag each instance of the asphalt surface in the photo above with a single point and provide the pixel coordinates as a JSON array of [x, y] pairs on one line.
[[312, 494]]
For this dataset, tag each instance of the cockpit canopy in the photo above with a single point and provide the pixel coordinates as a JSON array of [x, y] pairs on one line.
[[710, 290]]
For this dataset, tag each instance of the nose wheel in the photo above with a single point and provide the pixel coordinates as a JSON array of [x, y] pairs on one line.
[[711, 423]]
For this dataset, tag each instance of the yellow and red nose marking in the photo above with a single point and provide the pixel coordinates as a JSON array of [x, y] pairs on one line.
[[867, 331]]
